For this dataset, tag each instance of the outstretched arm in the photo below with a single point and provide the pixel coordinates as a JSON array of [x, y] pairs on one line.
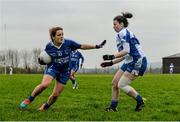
[[88, 46]]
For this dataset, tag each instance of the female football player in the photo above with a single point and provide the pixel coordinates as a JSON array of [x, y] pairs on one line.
[[75, 58], [59, 49], [134, 65]]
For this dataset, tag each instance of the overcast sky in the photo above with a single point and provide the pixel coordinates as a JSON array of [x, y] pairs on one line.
[[156, 23]]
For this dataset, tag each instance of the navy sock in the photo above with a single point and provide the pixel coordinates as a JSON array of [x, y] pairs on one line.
[[114, 103], [31, 98], [138, 98], [73, 81], [46, 106]]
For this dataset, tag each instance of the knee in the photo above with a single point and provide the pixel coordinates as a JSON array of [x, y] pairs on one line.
[[44, 85], [71, 77], [124, 84]]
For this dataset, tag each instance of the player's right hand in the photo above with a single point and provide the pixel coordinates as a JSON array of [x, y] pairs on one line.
[[101, 45], [41, 62], [106, 64]]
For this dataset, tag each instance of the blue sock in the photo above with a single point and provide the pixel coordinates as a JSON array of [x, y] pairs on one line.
[[138, 98], [31, 98], [114, 103], [46, 106], [73, 81]]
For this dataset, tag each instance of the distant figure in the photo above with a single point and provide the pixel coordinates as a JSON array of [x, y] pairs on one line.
[[10, 70], [171, 68]]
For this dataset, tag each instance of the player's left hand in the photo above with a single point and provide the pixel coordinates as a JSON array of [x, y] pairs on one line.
[[101, 45], [108, 57]]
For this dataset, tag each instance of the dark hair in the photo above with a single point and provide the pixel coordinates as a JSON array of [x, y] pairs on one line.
[[123, 18], [53, 31]]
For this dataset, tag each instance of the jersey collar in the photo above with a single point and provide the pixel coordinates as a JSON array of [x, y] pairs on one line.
[[58, 47]]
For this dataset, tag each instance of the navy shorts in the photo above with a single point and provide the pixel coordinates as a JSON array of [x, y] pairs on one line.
[[75, 68], [137, 68], [61, 77]]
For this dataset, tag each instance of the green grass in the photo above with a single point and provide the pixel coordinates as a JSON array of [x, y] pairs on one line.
[[88, 102]]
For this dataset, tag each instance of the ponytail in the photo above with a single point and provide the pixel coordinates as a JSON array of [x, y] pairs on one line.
[[123, 18], [127, 15]]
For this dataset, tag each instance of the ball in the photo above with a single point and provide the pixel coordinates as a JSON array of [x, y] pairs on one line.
[[45, 57]]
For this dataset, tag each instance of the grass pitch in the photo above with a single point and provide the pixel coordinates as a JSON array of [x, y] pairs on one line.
[[88, 102]]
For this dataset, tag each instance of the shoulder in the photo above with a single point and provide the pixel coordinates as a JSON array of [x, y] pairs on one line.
[[72, 43], [78, 52], [123, 33], [49, 45], [69, 40]]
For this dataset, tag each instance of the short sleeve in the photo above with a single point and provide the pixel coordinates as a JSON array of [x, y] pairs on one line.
[[74, 45], [122, 36]]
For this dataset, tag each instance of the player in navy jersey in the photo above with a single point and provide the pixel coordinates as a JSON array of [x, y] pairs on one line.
[[59, 69], [75, 60], [134, 65]]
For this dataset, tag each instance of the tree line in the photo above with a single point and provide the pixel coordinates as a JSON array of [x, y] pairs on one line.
[[26, 61], [22, 60]]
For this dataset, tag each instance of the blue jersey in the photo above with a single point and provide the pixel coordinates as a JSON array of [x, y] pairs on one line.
[[125, 36], [75, 58], [60, 66], [135, 60]]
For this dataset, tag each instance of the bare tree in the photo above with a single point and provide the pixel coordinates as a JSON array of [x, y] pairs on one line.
[[3, 61], [16, 59], [9, 57], [2, 56], [13, 58], [35, 56], [26, 59]]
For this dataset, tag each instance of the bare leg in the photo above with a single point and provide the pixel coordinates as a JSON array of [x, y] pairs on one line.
[[73, 79], [58, 88], [72, 74], [126, 79], [47, 79], [115, 89], [133, 93]]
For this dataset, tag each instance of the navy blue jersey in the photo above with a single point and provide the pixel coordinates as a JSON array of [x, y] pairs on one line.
[[61, 55], [75, 58]]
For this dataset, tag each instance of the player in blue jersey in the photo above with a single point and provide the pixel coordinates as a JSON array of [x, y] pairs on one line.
[[134, 65], [75, 60], [59, 69]]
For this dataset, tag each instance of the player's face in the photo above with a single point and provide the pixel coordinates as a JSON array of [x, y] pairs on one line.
[[58, 38], [117, 26]]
